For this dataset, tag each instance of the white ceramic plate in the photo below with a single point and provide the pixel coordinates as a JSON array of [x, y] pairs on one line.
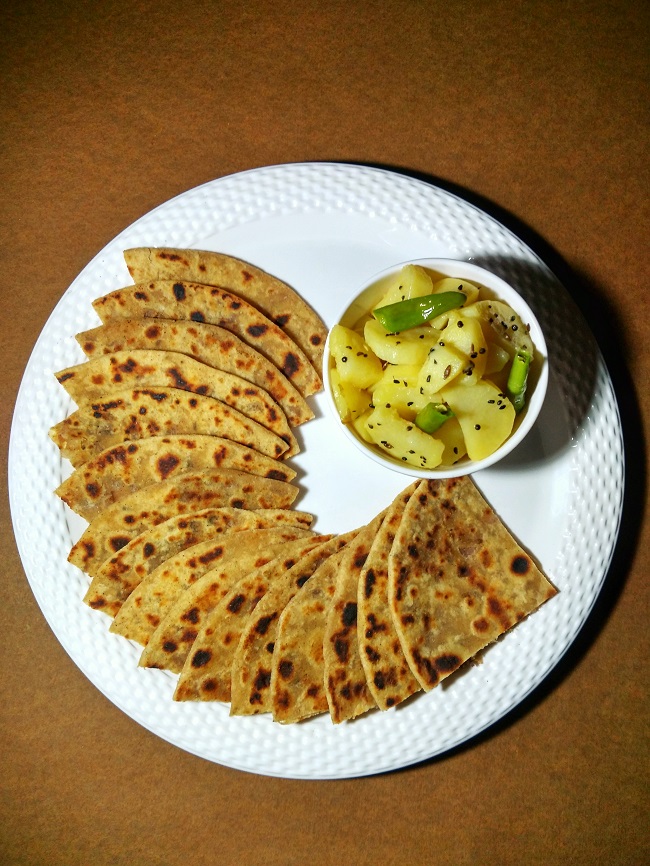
[[325, 228]]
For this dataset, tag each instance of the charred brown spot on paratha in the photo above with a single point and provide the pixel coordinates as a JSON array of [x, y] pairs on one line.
[[152, 332], [425, 668], [447, 663], [166, 464], [191, 615], [341, 648], [201, 658], [285, 669], [520, 565], [179, 291], [262, 625], [262, 680], [234, 605], [177, 378], [117, 542], [290, 365], [349, 614]]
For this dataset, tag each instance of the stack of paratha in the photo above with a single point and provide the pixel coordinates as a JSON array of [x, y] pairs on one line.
[[187, 405], [366, 619]]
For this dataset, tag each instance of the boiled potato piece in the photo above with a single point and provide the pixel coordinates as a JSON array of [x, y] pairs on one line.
[[402, 440], [441, 367], [502, 326], [451, 284], [497, 358], [350, 401], [359, 425], [398, 388], [411, 282], [408, 347], [465, 334], [451, 436], [485, 415], [356, 363]]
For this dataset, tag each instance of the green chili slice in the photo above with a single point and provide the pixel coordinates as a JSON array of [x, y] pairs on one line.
[[433, 416], [518, 379], [416, 311]]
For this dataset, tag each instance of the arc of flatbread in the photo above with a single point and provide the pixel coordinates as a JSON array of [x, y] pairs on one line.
[[387, 672], [166, 299], [123, 469], [272, 296], [148, 605], [206, 674], [121, 574], [297, 664], [346, 687], [207, 343], [173, 640], [96, 379], [114, 527], [457, 578], [251, 668], [137, 414]]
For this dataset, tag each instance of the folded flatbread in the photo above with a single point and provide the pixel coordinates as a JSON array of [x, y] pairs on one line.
[[206, 673], [126, 416], [388, 674], [151, 600], [273, 297], [123, 469], [457, 578], [251, 668], [173, 640], [114, 527], [118, 576], [208, 344], [346, 688], [297, 664], [166, 299], [96, 379]]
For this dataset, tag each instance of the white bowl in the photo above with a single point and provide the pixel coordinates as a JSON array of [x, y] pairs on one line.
[[492, 287]]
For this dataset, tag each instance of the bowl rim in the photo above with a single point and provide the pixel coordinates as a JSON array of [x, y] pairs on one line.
[[475, 273]]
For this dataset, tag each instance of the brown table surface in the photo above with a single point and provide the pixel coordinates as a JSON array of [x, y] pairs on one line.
[[539, 111]]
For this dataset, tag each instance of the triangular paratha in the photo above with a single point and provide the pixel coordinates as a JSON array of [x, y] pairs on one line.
[[126, 416], [210, 344], [457, 578], [169, 299], [112, 530], [346, 688], [274, 298], [96, 379], [118, 577], [123, 469]]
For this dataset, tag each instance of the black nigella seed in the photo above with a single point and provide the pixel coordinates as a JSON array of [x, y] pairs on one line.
[[477, 426]]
